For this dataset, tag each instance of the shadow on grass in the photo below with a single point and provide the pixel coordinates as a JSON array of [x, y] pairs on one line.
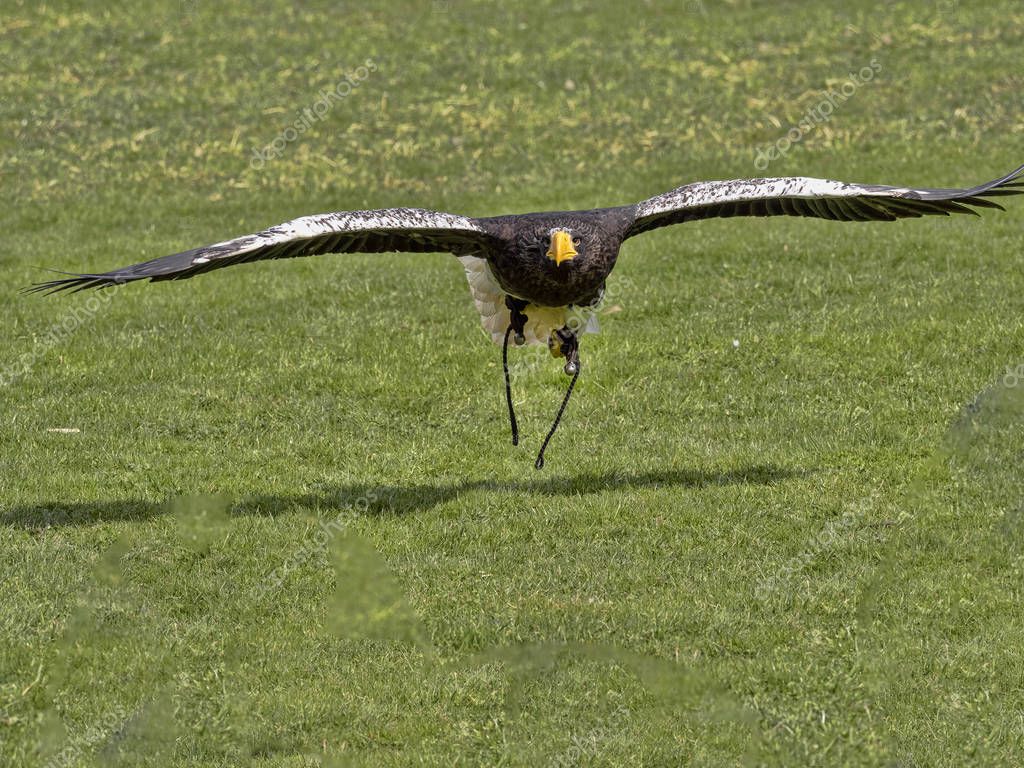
[[371, 499]]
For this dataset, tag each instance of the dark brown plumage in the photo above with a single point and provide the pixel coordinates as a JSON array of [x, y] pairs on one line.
[[522, 268]]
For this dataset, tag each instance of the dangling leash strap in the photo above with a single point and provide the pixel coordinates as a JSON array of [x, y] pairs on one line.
[[539, 464], [508, 388]]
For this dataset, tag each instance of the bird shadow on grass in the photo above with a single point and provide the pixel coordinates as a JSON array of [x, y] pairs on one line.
[[370, 499]]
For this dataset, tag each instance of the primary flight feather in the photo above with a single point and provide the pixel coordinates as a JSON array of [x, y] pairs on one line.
[[539, 277]]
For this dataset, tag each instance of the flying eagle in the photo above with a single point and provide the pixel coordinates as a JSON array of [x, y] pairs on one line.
[[539, 277]]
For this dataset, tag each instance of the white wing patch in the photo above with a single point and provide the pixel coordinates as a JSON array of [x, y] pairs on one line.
[[712, 192], [343, 222], [541, 321]]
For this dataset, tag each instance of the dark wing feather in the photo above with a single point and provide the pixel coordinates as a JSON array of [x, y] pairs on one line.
[[817, 198], [393, 229]]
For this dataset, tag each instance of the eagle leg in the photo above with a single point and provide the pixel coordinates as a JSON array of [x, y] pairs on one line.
[[517, 318], [565, 343], [517, 325]]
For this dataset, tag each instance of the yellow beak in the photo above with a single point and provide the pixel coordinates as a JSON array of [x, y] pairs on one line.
[[561, 247]]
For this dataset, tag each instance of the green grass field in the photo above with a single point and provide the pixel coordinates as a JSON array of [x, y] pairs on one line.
[[271, 516]]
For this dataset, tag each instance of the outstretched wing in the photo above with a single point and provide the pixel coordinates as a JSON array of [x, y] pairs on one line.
[[818, 198], [393, 229]]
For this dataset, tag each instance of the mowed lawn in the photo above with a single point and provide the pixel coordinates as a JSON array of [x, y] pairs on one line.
[[271, 516]]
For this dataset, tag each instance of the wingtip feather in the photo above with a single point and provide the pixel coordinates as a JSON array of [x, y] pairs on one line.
[[74, 283]]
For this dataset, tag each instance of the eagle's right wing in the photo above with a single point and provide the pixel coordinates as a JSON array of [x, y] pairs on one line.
[[391, 229]]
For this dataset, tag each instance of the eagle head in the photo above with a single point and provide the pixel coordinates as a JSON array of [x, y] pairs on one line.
[[563, 245]]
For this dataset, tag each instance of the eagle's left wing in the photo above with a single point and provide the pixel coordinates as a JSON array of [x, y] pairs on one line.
[[819, 198], [391, 229]]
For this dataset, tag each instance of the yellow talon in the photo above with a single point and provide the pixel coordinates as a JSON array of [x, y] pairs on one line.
[[555, 346]]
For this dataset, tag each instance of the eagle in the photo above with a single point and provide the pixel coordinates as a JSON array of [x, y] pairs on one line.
[[539, 277]]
